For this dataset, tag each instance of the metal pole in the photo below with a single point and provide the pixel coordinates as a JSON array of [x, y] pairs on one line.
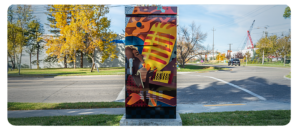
[[213, 42]]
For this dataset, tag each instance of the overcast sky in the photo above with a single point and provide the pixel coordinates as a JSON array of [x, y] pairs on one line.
[[231, 22]]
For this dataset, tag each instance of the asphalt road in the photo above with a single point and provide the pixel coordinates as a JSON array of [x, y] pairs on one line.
[[242, 84], [65, 89]]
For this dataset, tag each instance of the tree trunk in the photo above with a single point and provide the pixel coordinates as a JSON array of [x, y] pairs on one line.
[[13, 61], [246, 61], [65, 61], [20, 62], [74, 59], [21, 54], [284, 59], [93, 63], [37, 58], [81, 60], [263, 59], [30, 60]]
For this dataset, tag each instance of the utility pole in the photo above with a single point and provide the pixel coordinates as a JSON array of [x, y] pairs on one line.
[[213, 42], [229, 51]]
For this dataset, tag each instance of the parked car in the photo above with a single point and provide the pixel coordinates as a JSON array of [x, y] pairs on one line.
[[234, 62]]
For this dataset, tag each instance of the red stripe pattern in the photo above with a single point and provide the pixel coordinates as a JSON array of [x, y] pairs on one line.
[[157, 59], [163, 41], [165, 35], [161, 47], [145, 50], [159, 53]]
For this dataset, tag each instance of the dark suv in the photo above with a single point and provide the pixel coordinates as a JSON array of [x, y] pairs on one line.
[[234, 62]]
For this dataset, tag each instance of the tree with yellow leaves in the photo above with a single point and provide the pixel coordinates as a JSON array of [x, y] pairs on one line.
[[56, 45], [87, 31], [18, 18], [220, 57], [93, 33], [265, 46]]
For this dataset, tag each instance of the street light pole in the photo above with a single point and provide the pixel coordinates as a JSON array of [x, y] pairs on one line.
[[213, 42]]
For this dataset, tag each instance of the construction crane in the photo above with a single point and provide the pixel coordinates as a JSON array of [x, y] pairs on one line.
[[249, 37]]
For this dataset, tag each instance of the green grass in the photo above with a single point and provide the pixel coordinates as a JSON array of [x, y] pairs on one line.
[[293, 75], [68, 72], [269, 117], [106, 120], [195, 68], [267, 65], [78, 105]]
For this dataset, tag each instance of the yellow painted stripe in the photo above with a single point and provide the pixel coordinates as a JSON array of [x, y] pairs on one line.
[[223, 105], [160, 95]]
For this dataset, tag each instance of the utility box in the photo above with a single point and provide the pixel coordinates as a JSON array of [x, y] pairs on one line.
[[150, 66]]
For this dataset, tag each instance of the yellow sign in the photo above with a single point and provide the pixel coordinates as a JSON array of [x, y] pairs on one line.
[[162, 76]]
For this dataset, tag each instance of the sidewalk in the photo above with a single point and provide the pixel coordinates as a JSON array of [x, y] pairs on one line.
[[181, 108]]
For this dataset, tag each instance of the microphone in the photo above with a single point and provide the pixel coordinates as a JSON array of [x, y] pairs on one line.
[[130, 65]]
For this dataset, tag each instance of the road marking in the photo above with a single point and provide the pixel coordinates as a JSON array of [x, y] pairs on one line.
[[224, 105], [121, 96], [249, 92]]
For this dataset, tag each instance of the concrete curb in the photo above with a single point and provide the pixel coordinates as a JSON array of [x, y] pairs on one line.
[[121, 96], [290, 78]]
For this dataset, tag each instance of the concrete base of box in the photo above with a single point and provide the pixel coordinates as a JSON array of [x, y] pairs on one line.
[[151, 122]]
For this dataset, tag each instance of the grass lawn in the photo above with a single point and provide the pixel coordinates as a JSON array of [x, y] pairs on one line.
[[195, 68], [106, 120], [270, 117], [288, 76], [78, 105], [267, 64], [68, 72]]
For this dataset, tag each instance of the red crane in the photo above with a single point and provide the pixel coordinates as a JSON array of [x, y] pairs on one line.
[[250, 39]]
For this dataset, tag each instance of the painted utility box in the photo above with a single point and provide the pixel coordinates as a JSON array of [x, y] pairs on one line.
[[150, 51]]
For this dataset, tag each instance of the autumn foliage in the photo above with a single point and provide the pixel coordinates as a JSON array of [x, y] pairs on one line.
[[81, 28]]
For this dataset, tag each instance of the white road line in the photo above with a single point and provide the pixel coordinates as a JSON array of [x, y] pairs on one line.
[[249, 92], [121, 96]]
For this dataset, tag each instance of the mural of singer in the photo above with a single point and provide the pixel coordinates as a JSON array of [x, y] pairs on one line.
[[150, 50]]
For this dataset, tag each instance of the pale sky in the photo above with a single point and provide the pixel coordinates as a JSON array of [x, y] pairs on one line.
[[231, 22]]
